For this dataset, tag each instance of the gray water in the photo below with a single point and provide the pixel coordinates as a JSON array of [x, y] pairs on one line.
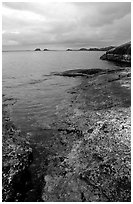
[[28, 81]]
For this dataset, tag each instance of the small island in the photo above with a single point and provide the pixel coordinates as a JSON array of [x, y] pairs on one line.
[[83, 49], [45, 49], [37, 49], [69, 50]]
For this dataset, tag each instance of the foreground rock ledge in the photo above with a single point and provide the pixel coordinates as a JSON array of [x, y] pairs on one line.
[[94, 132], [84, 155]]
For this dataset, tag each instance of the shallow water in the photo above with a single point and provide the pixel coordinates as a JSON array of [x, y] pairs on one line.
[[27, 79], [35, 93]]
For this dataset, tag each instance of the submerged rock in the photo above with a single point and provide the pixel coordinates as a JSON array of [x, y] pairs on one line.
[[86, 72], [79, 72]]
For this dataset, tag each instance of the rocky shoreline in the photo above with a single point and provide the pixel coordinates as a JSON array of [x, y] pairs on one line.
[[121, 54], [94, 128], [16, 158], [84, 156]]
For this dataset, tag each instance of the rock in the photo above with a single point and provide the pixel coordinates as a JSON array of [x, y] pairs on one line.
[[86, 72], [120, 54], [16, 158], [101, 49], [103, 57], [37, 49], [96, 164], [45, 49], [85, 157], [69, 50], [79, 72]]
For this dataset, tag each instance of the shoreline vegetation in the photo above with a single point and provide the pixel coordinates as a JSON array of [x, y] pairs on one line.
[[85, 155]]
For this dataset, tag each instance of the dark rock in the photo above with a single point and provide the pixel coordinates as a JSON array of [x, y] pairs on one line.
[[87, 72], [79, 72], [101, 49], [94, 49], [103, 57], [16, 158], [90, 130], [37, 49], [69, 50], [124, 49], [107, 48], [120, 54], [45, 49], [83, 197]]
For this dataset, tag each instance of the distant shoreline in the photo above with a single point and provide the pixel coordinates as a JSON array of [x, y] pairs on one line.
[[50, 51]]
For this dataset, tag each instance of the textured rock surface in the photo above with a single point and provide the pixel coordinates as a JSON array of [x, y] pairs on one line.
[[16, 158], [84, 155], [86, 72], [93, 128], [121, 53]]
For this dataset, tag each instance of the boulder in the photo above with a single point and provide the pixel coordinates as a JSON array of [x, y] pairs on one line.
[[121, 53]]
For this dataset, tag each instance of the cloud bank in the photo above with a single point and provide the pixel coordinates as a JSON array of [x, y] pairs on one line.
[[65, 24]]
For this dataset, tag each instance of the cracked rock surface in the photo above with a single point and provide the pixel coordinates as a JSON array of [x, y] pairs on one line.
[[93, 129]]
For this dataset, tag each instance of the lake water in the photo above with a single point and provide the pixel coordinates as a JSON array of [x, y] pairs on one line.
[[27, 80]]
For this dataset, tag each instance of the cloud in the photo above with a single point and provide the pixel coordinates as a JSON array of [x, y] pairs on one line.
[[66, 24]]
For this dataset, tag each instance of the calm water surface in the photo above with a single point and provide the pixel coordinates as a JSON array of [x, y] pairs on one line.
[[27, 80]]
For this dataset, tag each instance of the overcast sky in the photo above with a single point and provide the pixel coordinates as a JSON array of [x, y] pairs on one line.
[[65, 25]]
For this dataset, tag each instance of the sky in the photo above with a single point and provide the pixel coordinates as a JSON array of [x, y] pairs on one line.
[[27, 25]]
